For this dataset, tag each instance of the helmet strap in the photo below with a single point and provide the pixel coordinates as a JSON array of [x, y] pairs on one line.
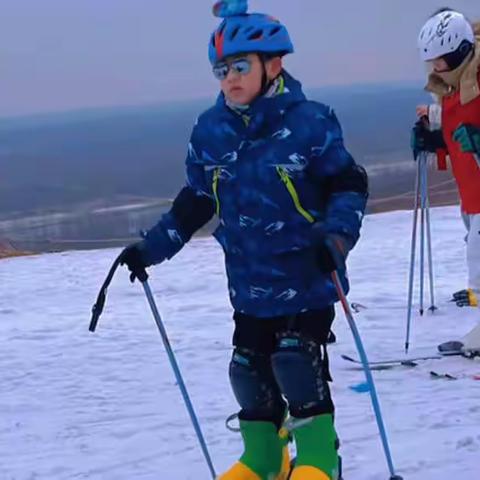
[[265, 82]]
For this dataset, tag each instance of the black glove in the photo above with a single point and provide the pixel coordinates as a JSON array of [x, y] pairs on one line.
[[425, 140], [132, 258], [332, 251]]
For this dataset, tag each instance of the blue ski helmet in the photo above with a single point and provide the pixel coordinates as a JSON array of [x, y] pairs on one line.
[[241, 32]]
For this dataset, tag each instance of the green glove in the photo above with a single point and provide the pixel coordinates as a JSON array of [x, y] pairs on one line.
[[468, 137]]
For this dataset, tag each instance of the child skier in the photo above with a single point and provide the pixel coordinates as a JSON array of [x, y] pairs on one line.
[[450, 45], [290, 201]]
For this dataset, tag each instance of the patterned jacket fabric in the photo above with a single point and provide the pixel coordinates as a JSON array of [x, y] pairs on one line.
[[269, 174]]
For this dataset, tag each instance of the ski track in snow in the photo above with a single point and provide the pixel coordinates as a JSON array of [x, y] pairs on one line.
[[104, 406]]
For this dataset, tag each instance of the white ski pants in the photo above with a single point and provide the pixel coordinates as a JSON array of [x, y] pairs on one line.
[[473, 251]]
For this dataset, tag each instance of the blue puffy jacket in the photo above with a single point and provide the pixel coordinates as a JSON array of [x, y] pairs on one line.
[[269, 177]]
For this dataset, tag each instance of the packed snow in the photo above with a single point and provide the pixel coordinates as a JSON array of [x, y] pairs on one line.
[[105, 406]]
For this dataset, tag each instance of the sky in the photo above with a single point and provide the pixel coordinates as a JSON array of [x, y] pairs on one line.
[[58, 55]]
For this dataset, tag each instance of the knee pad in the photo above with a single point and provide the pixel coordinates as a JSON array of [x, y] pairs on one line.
[[255, 388], [301, 371]]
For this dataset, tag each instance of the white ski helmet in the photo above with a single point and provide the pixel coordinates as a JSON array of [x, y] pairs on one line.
[[445, 33]]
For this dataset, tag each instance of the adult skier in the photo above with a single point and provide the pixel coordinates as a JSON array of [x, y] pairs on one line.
[[290, 201], [449, 44]]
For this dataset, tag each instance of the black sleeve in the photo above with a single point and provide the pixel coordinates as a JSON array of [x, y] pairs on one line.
[[191, 211], [354, 179]]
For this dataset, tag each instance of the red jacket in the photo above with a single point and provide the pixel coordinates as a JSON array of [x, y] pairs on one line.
[[464, 165]]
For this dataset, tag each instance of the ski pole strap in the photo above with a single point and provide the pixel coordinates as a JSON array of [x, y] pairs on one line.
[[292, 424], [97, 309], [284, 433], [228, 423], [442, 159]]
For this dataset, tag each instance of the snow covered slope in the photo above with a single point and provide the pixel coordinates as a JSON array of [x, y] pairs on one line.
[[76, 405]]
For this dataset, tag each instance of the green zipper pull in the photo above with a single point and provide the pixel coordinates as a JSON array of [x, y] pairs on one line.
[[294, 194], [216, 177]]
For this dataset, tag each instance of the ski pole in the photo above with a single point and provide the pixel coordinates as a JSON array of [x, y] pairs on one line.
[[412, 258], [422, 162], [429, 245], [178, 376], [97, 312], [368, 374]]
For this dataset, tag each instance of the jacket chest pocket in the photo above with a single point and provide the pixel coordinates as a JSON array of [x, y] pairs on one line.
[[218, 178], [292, 191]]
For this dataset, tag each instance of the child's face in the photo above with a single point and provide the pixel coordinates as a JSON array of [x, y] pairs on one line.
[[243, 82]]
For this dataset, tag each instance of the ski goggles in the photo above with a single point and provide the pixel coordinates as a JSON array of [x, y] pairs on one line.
[[242, 66]]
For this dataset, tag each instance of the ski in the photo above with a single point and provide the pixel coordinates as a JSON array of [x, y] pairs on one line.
[[388, 364], [449, 376], [402, 362], [391, 363], [445, 376]]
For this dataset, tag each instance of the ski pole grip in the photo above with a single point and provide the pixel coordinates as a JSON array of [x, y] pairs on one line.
[[142, 275]]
